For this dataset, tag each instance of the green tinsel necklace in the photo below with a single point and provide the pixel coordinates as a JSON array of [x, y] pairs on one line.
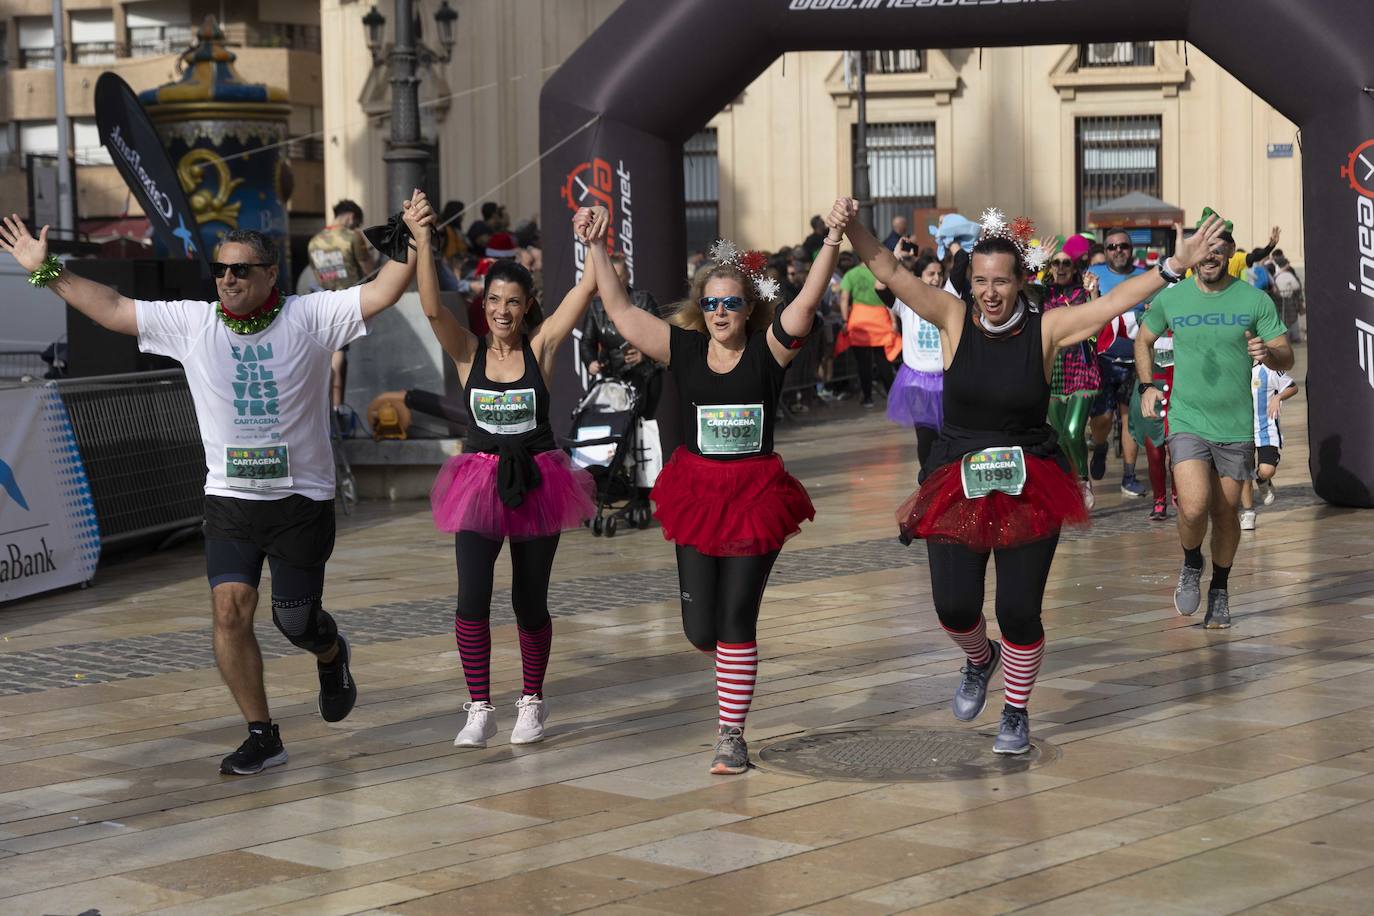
[[256, 320]]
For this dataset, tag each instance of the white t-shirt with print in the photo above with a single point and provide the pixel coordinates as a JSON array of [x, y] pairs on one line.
[[262, 400], [920, 340], [1265, 383]]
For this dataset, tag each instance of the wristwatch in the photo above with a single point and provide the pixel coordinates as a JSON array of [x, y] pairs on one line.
[[1143, 387]]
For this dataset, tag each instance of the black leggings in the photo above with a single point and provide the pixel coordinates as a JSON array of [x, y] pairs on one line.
[[531, 566], [865, 359], [957, 577], [721, 596], [925, 441]]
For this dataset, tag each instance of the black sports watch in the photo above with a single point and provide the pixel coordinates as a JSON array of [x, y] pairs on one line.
[[1143, 387]]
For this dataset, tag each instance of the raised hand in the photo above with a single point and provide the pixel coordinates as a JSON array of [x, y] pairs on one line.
[[418, 215], [1273, 237], [595, 223], [1188, 252], [1090, 283], [15, 238]]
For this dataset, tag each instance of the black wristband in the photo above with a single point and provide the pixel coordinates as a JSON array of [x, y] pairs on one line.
[[787, 340], [1142, 387]]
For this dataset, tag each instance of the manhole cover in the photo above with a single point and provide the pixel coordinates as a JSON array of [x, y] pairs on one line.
[[899, 755]]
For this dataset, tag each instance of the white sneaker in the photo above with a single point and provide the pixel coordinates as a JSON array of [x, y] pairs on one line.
[[481, 725], [1089, 500], [530, 714], [1247, 519], [1267, 489]]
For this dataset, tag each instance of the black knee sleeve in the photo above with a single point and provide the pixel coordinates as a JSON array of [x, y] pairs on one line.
[[305, 622]]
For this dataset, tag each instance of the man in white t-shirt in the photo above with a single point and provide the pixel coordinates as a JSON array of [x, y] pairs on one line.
[[257, 365]]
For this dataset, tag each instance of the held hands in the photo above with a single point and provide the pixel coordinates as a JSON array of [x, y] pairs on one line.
[[840, 216], [418, 216], [591, 224], [1188, 252], [1259, 350], [30, 252]]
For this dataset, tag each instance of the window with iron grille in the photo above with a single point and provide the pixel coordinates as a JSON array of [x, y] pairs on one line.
[[701, 189], [1117, 54], [905, 60], [901, 169], [1116, 155], [151, 40]]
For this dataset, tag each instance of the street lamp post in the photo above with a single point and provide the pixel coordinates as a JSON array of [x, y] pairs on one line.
[[406, 156], [862, 192]]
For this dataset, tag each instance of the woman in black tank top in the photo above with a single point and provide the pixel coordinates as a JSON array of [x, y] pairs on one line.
[[511, 482], [724, 497], [996, 483]]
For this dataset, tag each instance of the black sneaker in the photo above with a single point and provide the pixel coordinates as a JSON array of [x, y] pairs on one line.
[[338, 693], [262, 749], [1097, 467]]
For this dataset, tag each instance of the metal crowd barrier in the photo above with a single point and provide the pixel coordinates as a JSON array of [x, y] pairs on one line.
[[140, 443], [16, 364], [803, 374]]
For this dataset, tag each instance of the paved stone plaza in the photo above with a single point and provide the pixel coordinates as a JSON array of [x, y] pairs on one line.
[[1181, 771]]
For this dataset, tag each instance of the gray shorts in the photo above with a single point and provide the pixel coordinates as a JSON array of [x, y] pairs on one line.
[[1235, 460]]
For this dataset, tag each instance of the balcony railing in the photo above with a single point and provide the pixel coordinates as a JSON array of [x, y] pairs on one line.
[[906, 60], [150, 42], [95, 52], [35, 58], [1117, 54]]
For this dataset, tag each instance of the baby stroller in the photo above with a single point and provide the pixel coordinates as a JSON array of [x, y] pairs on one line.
[[613, 441]]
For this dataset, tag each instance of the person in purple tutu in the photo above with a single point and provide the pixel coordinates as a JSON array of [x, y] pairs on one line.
[[512, 481], [916, 398]]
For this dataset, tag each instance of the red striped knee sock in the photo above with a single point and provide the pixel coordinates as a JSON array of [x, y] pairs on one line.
[[974, 642], [1020, 668], [737, 666], [474, 649], [534, 657]]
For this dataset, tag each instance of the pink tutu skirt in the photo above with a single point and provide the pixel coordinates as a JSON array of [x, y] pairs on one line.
[[464, 498], [917, 398]]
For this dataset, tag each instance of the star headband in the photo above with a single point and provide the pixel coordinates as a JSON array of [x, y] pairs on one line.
[[750, 263], [1019, 231]]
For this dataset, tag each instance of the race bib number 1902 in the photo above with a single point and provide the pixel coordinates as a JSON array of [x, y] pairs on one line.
[[730, 429], [992, 469]]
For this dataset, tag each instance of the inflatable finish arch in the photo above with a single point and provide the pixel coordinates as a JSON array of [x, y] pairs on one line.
[[657, 71]]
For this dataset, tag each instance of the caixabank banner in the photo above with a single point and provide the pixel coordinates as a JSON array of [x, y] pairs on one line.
[[49, 537]]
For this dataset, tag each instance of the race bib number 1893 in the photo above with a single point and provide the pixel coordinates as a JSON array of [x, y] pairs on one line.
[[992, 469]]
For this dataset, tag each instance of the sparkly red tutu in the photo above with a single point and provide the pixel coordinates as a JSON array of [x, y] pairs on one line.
[[465, 498], [740, 508], [939, 510]]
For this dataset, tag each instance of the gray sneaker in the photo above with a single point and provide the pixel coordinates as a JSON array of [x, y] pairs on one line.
[[1014, 738], [732, 753], [972, 694], [1218, 610], [1188, 592]]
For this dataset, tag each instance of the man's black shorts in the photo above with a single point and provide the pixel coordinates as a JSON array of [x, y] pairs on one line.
[[294, 533]]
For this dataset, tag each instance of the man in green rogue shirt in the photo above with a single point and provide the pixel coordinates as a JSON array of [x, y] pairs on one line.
[[1222, 327]]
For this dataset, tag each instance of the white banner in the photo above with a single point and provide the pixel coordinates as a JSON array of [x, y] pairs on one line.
[[49, 537]]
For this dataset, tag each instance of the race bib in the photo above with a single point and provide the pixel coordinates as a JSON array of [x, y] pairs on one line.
[[257, 467], [993, 469], [505, 413], [730, 429]]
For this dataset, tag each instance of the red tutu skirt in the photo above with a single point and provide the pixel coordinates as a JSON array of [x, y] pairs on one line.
[[740, 508], [939, 510], [464, 498]]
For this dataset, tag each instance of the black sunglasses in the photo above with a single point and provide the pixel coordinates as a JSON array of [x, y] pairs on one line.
[[1118, 246], [1061, 262], [731, 303], [240, 270]]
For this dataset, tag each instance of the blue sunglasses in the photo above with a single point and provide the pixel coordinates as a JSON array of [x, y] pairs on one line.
[[732, 303]]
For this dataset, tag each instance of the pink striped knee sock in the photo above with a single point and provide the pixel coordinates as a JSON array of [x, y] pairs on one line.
[[474, 649], [534, 657]]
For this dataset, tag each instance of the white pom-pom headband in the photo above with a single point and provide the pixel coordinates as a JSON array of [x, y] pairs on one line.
[[750, 263]]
